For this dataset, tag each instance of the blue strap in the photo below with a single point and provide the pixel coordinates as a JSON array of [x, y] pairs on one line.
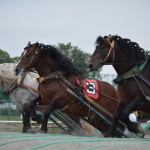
[[38, 80], [81, 100], [70, 59]]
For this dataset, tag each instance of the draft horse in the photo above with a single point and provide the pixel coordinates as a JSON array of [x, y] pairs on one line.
[[132, 65], [52, 66]]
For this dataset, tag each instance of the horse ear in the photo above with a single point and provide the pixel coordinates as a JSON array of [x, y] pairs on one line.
[[99, 40], [111, 38], [35, 45], [29, 43]]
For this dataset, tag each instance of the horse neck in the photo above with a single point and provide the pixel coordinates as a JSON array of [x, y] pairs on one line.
[[45, 66], [122, 69], [30, 81]]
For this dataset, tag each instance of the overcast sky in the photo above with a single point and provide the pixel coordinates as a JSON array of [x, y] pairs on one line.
[[77, 21]]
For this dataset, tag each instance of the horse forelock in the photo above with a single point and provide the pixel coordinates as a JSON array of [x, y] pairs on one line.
[[99, 40]]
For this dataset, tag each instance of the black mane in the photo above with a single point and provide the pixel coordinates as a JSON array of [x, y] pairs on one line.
[[126, 47], [63, 63]]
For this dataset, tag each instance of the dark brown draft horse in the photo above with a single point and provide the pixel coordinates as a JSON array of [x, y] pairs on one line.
[[47, 60], [133, 68]]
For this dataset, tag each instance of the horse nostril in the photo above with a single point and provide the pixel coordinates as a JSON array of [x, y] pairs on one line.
[[16, 71], [90, 66]]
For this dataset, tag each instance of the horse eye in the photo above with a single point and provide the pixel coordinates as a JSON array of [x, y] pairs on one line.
[[102, 47]]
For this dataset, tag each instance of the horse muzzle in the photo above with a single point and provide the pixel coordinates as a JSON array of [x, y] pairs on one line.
[[91, 67], [95, 66], [18, 70]]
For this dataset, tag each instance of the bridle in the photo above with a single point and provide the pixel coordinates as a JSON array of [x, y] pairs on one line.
[[102, 63], [111, 49], [34, 56]]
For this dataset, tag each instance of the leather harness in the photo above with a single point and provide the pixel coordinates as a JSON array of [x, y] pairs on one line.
[[21, 84]]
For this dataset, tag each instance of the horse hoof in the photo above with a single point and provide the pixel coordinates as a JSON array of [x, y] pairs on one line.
[[136, 128], [108, 134], [140, 129], [25, 130], [42, 130], [39, 119]]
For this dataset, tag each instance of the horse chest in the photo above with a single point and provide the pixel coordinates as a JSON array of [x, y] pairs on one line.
[[127, 92]]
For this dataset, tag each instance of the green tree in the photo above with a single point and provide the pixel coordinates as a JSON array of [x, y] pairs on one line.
[[15, 59], [5, 58], [79, 57]]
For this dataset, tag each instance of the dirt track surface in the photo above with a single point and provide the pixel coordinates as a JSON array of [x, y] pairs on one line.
[[19, 141]]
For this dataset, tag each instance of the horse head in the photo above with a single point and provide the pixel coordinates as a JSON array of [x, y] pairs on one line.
[[104, 52], [45, 59], [28, 59]]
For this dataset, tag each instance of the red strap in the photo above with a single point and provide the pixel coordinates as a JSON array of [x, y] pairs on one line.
[[28, 87]]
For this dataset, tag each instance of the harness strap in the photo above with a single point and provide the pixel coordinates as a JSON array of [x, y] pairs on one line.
[[60, 76], [146, 97], [15, 85], [52, 75], [65, 107], [96, 90], [28, 87], [92, 102], [136, 68]]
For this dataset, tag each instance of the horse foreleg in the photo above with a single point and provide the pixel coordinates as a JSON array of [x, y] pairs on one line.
[[26, 118], [112, 130], [133, 106], [49, 110], [38, 118]]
